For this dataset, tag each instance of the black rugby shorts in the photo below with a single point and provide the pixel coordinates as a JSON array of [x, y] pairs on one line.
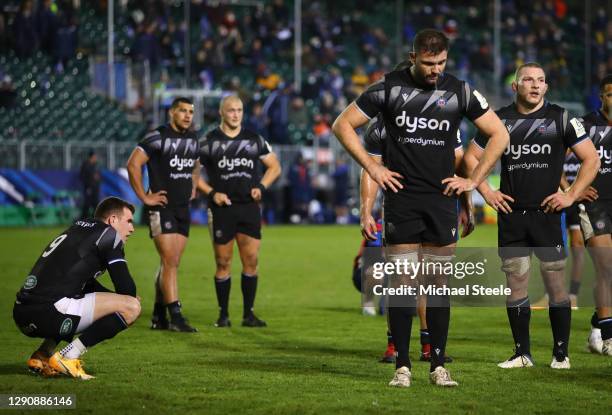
[[522, 232], [163, 220], [226, 221]]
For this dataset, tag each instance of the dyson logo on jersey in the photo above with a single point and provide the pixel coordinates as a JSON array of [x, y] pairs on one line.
[[518, 150], [229, 164], [181, 164], [412, 123], [604, 155]]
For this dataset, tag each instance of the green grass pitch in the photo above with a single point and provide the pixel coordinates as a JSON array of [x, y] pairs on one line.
[[318, 355]]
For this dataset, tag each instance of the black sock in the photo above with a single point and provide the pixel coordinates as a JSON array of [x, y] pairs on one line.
[[400, 322], [605, 324], [389, 338], [159, 296], [438, 318], [560, 315], [159, 311], [248, 283], [425, 337], [595, 321], [175, 310], [574, 287], [105, 328], [222, 287], [519, 314]]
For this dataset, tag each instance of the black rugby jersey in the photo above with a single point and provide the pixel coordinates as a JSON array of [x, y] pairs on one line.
[[421, 125], [571, 167], [532, 163], [172, 156], [600, 131], [79, 255], [375, 135], [233, 165]]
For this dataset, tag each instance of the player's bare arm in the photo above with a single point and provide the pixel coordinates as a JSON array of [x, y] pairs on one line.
[[466, 213], [586, 153], [368, 190], [494, 198], [137, 159], [490, 125], [272, 172], [218, 198], [344, 129], [195, 175]]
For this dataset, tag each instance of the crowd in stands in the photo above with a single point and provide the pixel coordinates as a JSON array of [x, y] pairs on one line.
[[347, 45]]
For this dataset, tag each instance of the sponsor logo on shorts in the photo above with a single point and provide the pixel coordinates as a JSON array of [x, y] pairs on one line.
[[600, 224], [30, 282], [218, 233], [168, 225], [454, 231], [66, 327]]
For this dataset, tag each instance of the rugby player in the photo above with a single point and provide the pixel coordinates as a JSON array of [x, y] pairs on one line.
[[596, 220], [421, 108], [529, 205], [232, 157], [61, 297], [170, 153]]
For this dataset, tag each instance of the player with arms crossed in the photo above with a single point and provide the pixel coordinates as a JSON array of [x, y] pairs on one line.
[[61, 297], [170, 153], [529, 205], [421, 108], [232, 157], [596, 220]]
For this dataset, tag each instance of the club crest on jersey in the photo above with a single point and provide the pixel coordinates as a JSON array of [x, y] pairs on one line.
[[542, 129], [441, 103]]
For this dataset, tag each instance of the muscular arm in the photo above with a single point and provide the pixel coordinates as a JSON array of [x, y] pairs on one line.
[[368, 189], [344, 129], [195, 176], [491, 126], [137, 159], [122, 280], [273, 169], [589, 166]]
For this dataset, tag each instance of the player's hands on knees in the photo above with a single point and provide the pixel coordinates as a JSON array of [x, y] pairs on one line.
[[368, 227], [590, 195], [256, 194], [385, 178], [557, 201], [498, 201], [457, 185], [221, 199], [156, 199]]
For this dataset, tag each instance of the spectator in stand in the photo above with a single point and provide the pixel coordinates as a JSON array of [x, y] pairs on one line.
[[24, 29]]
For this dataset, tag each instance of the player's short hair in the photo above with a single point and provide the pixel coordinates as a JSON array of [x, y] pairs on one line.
[[526, 65], [430, 41], [605, 81], [180, 100], [228, 98], [402, 65], [112, 206]]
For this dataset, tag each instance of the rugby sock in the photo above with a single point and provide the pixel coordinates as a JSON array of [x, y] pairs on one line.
[[519, 315], [175, 311], [103, 329], [400, 322], [438, 318], [595, 321], [605, 324], [159, 311], [222, 287], [574, 287], [425, 337], [389, 338], [248, 283], [560, 315], [73, 350]]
